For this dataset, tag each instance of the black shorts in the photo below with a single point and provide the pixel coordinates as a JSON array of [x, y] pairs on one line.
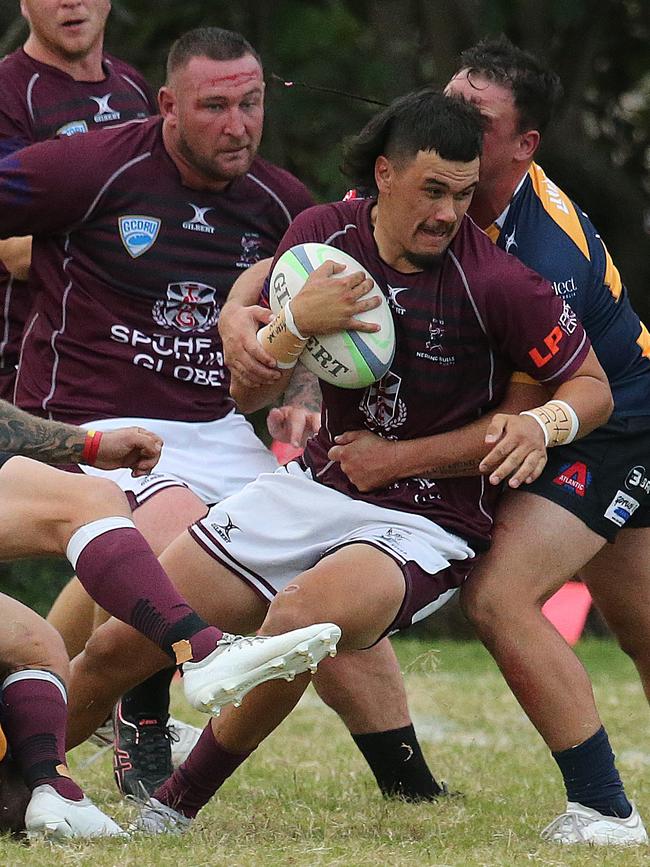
[[603, 479]]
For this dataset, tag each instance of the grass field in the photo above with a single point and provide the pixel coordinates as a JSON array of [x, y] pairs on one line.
[[306, 797]]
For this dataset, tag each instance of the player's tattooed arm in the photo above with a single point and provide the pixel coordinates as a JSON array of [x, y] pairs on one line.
[[299, 416], [49, 441]]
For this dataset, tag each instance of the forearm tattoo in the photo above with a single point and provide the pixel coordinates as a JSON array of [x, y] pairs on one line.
[[49, 441], [303, 390], [450, 471]]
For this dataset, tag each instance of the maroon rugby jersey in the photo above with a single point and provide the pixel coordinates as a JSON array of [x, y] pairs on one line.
[[131, 270], [39, 102], [462, 327]]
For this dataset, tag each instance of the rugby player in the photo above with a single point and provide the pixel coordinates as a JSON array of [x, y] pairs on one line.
[[44, 511], [60, 83], [131, 266], [381, 559], [590, 493]]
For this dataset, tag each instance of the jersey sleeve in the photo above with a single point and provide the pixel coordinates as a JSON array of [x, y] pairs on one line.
[[533, 327], [51, 186], [15, 132]]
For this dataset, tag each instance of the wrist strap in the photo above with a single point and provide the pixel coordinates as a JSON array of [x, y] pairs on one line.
[[558, 421], [91, 447], [291, 322]]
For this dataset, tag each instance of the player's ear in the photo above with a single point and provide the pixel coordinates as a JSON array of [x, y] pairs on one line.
[[528, 144], [383, 174], [167, 101]]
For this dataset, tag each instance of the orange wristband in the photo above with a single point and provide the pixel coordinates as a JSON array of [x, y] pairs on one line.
[[91, 447]]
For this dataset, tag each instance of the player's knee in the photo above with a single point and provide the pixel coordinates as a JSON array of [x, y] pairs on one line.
[[101, 651], [290, 609], [481, 606], [38, 645], [99, 498]]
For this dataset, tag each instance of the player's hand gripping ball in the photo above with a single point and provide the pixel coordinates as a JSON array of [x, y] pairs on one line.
[[349, 359]]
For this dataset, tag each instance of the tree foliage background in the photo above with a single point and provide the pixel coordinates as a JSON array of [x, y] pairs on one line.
[[598, 149]]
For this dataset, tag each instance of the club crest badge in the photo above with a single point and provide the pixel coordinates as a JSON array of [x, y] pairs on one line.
[[188, 306], [138, 233]]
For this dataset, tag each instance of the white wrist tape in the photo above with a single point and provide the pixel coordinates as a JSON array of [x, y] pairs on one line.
[[557, 420], [291, 322]]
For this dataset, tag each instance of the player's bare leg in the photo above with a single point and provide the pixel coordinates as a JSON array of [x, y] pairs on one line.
[[618, 578], [72, 615], [537, 546], [336, 588]]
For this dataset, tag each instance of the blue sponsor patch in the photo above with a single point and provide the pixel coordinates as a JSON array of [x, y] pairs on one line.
[[138, 233]]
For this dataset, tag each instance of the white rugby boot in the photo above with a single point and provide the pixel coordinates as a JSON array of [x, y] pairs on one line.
[[158, 818], [238, 664], [51, 815], [584, 825], [183, 738]]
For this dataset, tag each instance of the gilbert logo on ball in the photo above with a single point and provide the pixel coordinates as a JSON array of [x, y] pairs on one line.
[[349, 359]]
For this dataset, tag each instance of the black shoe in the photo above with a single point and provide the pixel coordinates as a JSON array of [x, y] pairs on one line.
[[142, 758]]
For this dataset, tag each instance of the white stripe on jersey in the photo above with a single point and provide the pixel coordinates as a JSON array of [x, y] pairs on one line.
[[28, 95], [135, 87], [459, 268], [273, 195], [112, 178]]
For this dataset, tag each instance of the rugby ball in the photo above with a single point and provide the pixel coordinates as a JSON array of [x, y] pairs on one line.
[[349, 359]]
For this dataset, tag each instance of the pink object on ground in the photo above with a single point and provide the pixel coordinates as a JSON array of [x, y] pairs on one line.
[[285, 452], [568, 609]]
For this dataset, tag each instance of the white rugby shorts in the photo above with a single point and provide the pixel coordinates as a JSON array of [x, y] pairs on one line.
[[214, 459], [283, 523]]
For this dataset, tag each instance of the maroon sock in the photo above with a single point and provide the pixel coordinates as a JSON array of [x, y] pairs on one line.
[[122, 574], [206, 768], [34, 715]]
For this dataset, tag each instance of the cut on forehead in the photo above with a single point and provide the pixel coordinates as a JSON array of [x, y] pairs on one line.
[[205, 73]]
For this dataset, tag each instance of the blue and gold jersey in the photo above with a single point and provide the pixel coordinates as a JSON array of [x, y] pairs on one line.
[[550, 234]]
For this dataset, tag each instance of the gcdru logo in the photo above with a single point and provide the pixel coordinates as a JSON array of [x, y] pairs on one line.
[[138, 233], [188, 307], [73, 128], [198, 223], [104, 111]]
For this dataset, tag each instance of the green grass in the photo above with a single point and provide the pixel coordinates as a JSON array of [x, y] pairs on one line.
[[306, 797]]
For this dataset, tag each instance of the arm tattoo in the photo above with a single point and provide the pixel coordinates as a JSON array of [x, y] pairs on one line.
[[457, 469], [49, 441], [303, 390]]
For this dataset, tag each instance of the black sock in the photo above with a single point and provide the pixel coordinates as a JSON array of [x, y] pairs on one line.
[[150, 698], [591, 778], [396, 760]]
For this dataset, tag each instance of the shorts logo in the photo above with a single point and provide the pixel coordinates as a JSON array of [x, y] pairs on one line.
[[188, 307], [73, 128], [574, 478], [104, 111], [395, 539], [224, 530], [138, 233], [621, 509], [198, 223], [637, 478]]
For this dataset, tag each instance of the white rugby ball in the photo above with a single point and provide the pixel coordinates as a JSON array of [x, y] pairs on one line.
[[349, 359]]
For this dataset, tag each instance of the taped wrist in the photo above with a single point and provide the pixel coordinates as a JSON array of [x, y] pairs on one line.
[[282, 340], [558, 421]]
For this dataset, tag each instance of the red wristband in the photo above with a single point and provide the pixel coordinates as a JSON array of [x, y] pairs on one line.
[[91, 447]]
